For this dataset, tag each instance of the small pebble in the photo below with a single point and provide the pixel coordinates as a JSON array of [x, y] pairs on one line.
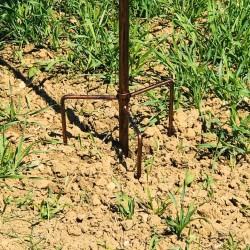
[[111, 186], [95, 200], [144, 217], [126, 243], [21, 85]]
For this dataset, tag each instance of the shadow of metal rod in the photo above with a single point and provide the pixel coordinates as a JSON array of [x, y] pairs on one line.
[[139, 138], [171, 99], [79, 97]]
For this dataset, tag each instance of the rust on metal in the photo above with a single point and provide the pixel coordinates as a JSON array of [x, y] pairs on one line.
[[123, 73], [123, 96]]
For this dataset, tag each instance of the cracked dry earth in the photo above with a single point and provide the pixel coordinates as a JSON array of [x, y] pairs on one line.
[[86, 215]]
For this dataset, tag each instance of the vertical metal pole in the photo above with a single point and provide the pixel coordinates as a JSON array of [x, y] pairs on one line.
[[123, 73]]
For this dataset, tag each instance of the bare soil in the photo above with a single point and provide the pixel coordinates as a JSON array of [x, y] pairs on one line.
[[83, 171]]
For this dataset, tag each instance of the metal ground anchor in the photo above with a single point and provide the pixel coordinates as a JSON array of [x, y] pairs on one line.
[[123, 96], [125, 112]]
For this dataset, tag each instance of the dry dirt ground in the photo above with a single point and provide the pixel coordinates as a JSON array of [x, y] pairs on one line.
[[85, 216]]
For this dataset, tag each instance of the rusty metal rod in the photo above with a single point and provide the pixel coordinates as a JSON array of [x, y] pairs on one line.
[[123, 96], [139, 138], [123, 72], [153, 86], [89, 97]]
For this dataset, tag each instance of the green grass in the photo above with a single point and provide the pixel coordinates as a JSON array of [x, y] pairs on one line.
[[85, 31], [125, 203], [51, 206], [157, 205], [205, 50], [12, 159], [154, 241], [184, 217], [14, 152], [13, 112]]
